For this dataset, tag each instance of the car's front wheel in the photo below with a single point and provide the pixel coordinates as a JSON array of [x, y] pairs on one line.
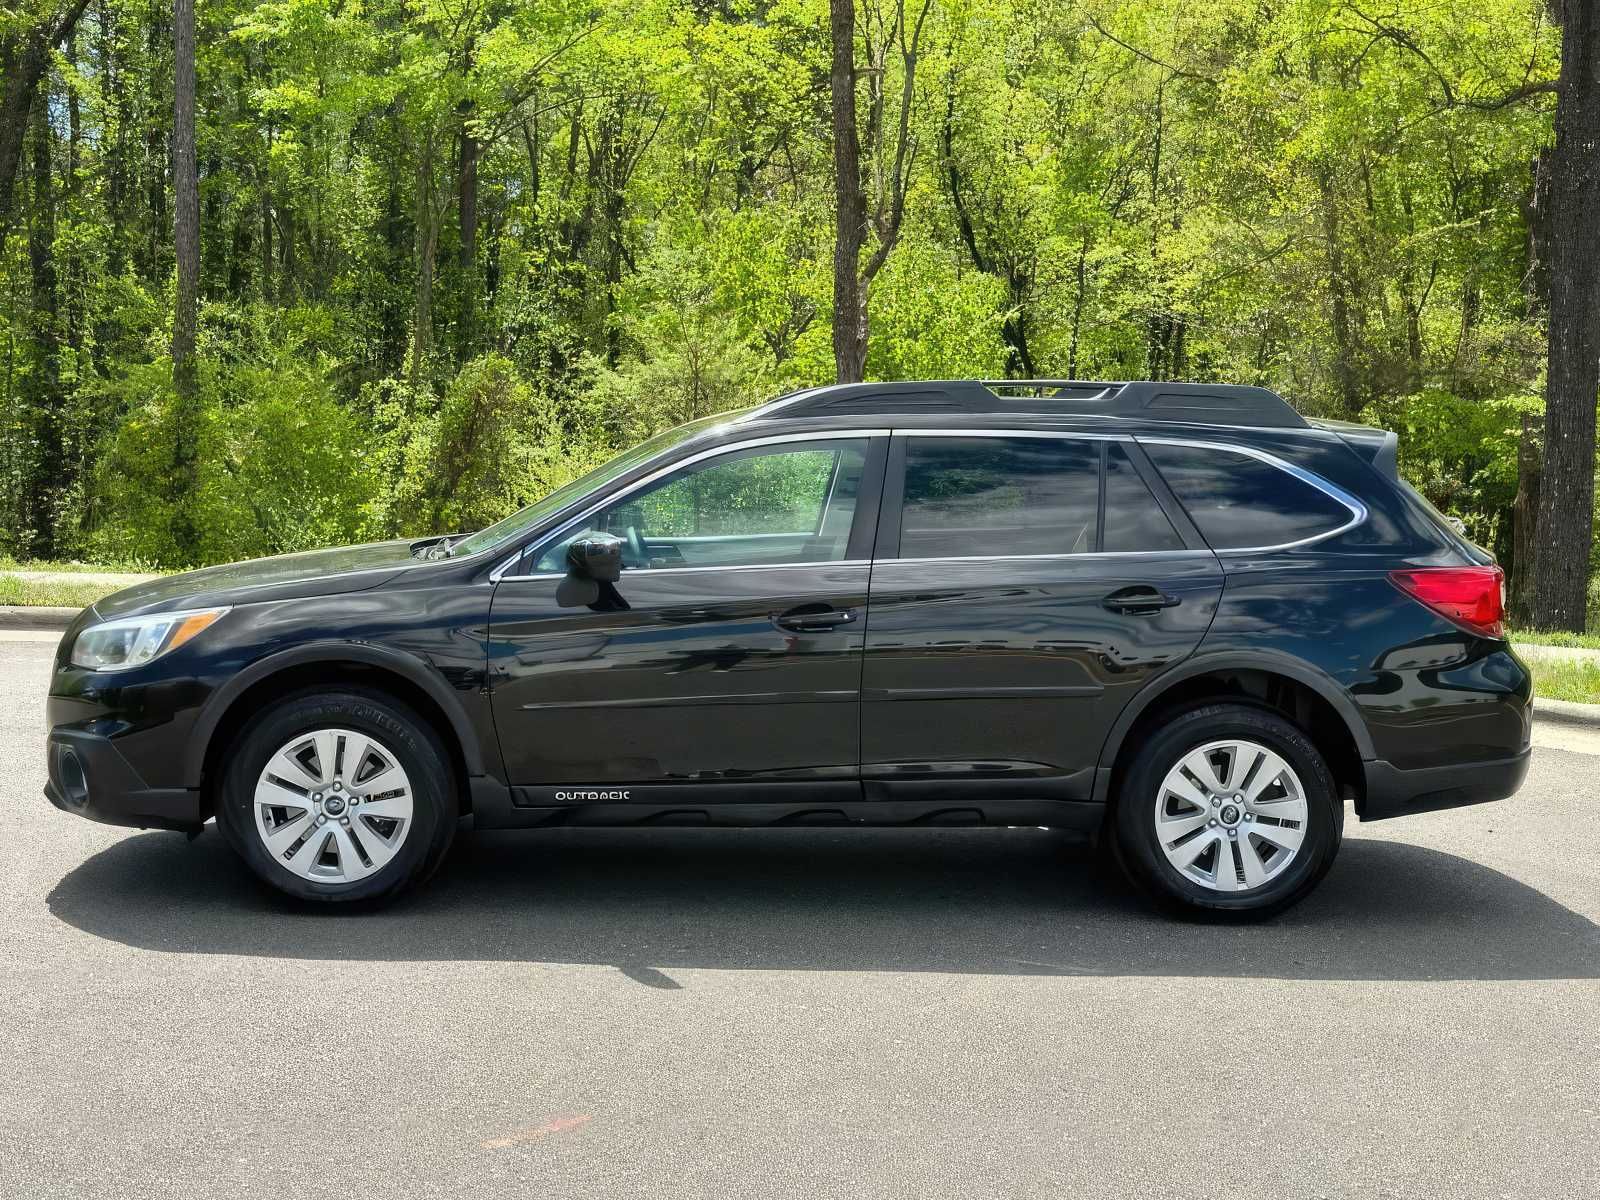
[[338, 796], [1228, 808]]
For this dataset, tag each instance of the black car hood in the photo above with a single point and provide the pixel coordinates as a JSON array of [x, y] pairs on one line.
[[285, 576]]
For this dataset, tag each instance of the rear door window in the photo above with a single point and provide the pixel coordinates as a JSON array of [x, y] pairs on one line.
[[991, 496], [1239, 502], [1134, 519]]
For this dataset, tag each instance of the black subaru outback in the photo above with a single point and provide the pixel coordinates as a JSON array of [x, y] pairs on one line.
[[1180, 618]]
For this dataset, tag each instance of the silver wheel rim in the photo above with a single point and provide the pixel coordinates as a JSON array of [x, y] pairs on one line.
[[333, 806], [1231, 816]]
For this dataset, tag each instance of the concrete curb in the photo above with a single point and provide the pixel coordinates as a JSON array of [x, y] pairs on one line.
[[1566, 712], [22, 616]]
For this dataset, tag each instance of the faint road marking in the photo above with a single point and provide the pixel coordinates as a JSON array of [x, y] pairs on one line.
[[558, 1125]]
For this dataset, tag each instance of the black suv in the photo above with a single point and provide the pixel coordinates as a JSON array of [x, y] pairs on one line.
[[1179, 618]]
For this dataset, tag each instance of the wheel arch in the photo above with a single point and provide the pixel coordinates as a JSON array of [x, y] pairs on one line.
[[406, 677], [1310, 698]]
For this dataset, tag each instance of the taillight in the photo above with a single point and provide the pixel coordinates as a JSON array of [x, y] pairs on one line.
[[1472, 597]]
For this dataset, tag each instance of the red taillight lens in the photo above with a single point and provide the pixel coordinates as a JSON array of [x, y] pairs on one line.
[[1469, 596]]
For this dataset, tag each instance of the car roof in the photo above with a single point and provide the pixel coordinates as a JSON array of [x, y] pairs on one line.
[[1232, 405]]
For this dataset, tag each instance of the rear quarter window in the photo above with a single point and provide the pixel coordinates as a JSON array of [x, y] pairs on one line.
[[1239, 502]]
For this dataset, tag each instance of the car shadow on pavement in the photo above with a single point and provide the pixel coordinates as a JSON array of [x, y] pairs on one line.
[[985, 901]]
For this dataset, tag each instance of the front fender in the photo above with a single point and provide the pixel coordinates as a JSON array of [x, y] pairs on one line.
[[411, 667]]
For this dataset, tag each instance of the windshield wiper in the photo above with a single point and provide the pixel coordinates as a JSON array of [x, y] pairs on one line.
[[436, 547]]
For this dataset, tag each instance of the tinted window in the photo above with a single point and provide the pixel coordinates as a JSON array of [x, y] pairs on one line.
[[526, 518], [992, 496], [1134, 520], [1239, 502], [765, 507]]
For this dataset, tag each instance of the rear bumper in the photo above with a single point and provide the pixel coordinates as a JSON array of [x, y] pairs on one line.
[[88, 777], [1391, 792]]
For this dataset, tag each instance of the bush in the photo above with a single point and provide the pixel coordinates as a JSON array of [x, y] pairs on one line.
[[489, 446], [281, 466]]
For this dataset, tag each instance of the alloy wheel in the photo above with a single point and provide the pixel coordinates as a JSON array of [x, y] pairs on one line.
[[1231, 815], [333, 805]]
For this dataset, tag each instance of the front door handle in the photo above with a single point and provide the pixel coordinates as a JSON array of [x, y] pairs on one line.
[[1139, 599], [813, 620]]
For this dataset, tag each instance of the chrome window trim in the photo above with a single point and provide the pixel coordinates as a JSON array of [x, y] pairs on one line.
[[1358, 510], [842, 562], [1070, 434], [1136, 555], [836, 435], [1087, 555]]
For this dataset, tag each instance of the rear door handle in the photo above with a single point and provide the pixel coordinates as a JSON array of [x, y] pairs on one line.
[[1138, 599], [812, 620]]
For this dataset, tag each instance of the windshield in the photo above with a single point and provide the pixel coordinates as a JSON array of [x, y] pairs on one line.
[[526, 518]]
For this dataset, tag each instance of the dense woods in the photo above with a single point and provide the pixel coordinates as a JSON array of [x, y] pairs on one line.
[[443, 255]]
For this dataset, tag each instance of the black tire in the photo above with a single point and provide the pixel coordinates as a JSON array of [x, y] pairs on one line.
[[1138, 846], [412, 741]]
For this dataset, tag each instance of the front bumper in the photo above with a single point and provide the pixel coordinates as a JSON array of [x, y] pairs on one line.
[[1392, 792], [89, 777]]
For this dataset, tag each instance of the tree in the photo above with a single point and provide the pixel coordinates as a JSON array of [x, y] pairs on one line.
[[648, 209], [186, 241], [852, 278], [26, 43], [1566, 491]]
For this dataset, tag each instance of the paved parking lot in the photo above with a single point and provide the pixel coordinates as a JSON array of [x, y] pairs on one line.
[[802, 1013]]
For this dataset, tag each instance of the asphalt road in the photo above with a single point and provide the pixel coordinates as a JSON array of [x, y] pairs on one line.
[[801, 1013]]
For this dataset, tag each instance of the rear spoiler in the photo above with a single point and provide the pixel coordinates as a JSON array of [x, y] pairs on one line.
[[1379, 447]]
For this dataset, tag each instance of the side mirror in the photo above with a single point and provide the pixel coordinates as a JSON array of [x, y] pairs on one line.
[[597, 556]]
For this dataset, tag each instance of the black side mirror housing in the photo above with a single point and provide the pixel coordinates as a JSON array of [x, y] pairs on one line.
[[597, 556]]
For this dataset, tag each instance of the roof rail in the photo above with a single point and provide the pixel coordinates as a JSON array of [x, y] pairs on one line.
[[1195, 403]]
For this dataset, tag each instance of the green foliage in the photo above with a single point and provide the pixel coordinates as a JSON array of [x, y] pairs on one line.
[[1461, 454], [281, 466], [1323, 199], [490, 445]]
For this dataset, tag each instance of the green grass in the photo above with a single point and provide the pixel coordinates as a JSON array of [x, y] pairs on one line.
[[16, 590], [130, 566], [1586, 641], [1578, 681]]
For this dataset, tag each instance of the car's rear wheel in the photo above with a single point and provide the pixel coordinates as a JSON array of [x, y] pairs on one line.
[[342, 796], [1228, 809]]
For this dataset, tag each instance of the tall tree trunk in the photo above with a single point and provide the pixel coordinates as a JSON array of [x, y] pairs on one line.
[[45, 387], [1079, 296], [186, 242], [427, 246], [1338, 286], [1536, 250], [467, 199], [268, 221], [24, 58], [850, 202], [1524, 517], [157, 159], [1566, 494], [1014, 327]]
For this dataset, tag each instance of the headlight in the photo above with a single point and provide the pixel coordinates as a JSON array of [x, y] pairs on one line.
[[134, 641]]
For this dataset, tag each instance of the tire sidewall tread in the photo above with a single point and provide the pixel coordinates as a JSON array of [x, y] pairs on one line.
[[410, 737], [1138, 850]]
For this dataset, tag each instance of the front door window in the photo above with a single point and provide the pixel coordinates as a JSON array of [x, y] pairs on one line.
[[766, 506]]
